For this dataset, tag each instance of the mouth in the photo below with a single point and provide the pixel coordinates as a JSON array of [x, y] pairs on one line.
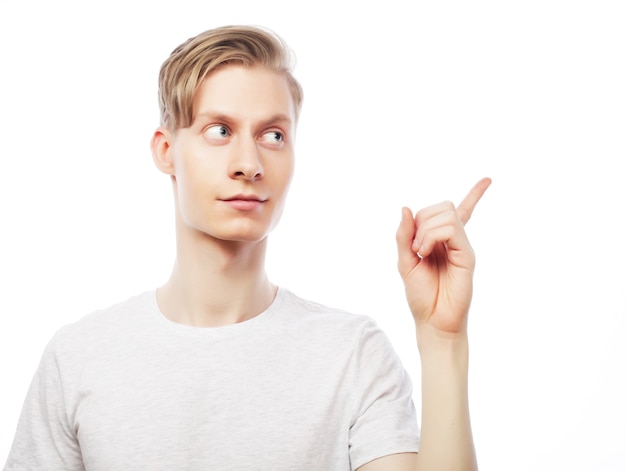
[[246, 198], [244, 202]]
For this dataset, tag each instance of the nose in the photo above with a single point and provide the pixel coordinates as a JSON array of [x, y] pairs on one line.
[[245, 163]]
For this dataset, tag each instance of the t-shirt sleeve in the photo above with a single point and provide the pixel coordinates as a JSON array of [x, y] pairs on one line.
[[44, 438], [384, 420]]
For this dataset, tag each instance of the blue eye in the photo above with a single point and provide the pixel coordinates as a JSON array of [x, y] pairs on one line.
[[273, 137], [218, 131]]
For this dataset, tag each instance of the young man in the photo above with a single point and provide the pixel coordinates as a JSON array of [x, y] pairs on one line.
[[220, 369]]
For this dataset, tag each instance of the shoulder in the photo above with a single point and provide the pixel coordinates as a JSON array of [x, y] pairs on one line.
[[111, 323], [317, 311], [314, 317]]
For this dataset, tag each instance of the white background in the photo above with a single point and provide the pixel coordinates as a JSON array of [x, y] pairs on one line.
[[405, 104]]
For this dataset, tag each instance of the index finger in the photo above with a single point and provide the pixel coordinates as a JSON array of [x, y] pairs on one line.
[[466, 208]]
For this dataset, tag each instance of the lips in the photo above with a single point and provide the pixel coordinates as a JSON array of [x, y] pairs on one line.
[[244, 202]]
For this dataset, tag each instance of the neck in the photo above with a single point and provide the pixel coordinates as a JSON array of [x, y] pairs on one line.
[[215, 282]]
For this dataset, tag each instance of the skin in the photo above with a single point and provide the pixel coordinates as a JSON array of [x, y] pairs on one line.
[[241, 142], [436, 263]]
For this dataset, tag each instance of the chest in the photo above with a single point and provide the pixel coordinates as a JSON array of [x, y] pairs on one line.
[[255, 408]]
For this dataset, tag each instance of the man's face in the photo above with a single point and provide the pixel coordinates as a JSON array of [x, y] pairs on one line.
[[232, 167]]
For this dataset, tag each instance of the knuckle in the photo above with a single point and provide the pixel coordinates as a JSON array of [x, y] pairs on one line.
[[420, 215]]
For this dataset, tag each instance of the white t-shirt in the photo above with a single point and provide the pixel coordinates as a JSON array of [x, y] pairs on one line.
[[300, 386]]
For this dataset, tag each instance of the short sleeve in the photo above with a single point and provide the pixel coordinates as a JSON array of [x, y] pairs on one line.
[[384, 420], [44, 438]]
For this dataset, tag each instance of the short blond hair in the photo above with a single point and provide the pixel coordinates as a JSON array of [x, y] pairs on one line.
[[187, 66]]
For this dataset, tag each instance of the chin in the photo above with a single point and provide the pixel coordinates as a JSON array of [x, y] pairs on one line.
[[245, 238], [243, 230], [241, 235], [246, 230]]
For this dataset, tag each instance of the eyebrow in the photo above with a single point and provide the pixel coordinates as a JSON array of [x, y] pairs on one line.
[[214, 115]]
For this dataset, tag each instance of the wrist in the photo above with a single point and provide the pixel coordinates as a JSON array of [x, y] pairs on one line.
[[434, 342], [444, 359]]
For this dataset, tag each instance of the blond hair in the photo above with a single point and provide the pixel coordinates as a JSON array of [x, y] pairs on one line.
[[187, 66]]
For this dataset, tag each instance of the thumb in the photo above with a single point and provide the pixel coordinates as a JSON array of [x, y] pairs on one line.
[[407, 258]]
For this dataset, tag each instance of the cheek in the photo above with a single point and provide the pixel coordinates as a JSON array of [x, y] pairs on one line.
[[186, 182], [194, 183], [287, 177], [285, 174]]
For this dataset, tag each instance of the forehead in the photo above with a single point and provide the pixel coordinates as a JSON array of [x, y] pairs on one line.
[[244, 93]]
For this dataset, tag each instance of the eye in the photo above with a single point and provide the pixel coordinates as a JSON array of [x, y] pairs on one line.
[[273, 138], [217, 132]]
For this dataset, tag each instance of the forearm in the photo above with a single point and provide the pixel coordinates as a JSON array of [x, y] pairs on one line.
[[446, 441]]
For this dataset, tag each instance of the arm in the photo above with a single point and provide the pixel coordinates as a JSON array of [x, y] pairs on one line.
[[44, 438], [436, 263]]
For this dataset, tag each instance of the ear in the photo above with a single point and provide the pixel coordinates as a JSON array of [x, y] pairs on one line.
[[161, 145]]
